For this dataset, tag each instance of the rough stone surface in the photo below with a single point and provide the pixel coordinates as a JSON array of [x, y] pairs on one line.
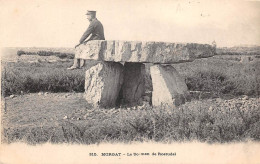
[[102, 84], [133, 85], [169, 87], [144, 52]]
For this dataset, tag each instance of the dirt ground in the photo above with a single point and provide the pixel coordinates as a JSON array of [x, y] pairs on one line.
[[36, 109]]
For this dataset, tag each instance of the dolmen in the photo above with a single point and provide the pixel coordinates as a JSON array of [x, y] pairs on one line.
[[119, 76]]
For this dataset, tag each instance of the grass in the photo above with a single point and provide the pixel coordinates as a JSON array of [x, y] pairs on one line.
[[219, 77], [239, 50], [42, 76], [214, 122], [40, 119]]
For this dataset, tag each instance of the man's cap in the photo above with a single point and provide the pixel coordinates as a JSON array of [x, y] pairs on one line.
[[91, 12]]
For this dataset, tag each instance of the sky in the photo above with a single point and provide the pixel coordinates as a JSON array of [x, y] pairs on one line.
[[61, 23]]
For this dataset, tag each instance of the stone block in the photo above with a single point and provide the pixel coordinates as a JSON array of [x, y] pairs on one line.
[[143, 52], [133, 85], [169, 87], [103, 83]]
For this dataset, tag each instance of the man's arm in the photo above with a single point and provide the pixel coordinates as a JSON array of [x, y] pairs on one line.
[[86, 33]]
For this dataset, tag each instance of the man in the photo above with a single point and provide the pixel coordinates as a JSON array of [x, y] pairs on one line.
[[96, 30]]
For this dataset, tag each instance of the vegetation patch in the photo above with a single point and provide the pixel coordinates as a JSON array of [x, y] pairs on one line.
[[221, 79], [61, 55], [212, 121]]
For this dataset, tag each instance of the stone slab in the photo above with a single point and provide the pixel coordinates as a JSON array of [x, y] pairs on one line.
[[143, 52], [134, 83], [103, 83], [169, 87]]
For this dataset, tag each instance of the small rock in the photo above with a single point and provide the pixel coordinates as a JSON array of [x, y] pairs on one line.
[[85, 116], [78, 118], [12, 96], [210, 108], [46, 93], [67, 95], [40, 61], [218, 99], [33, 61], [146, 105], [40, 93], [238, 105], [245, 97], [139, 107], [65, 117], [52, 61], [64, 60]]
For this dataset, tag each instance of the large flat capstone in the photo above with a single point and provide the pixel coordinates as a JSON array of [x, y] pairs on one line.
[[142, 51]]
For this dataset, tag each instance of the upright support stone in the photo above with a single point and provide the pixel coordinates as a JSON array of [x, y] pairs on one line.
[[169, 87], [103, 83], [133, 85]]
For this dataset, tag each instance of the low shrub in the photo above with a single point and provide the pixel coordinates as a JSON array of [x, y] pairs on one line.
[[19, 53], [61, 55], [65, 55], [58, 54], [45, 53]]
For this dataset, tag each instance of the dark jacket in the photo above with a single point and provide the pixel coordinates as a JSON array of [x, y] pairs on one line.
[[96, 29]]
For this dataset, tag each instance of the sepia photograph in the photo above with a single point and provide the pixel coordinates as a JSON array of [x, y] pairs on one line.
[[130, 81]]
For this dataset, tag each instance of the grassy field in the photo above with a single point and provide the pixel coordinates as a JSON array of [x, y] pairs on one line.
[[25, 77], [211, 75], [62, 115], [222, 76]]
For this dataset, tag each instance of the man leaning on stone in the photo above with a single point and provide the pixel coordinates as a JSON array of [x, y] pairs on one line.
[[96, 30]]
